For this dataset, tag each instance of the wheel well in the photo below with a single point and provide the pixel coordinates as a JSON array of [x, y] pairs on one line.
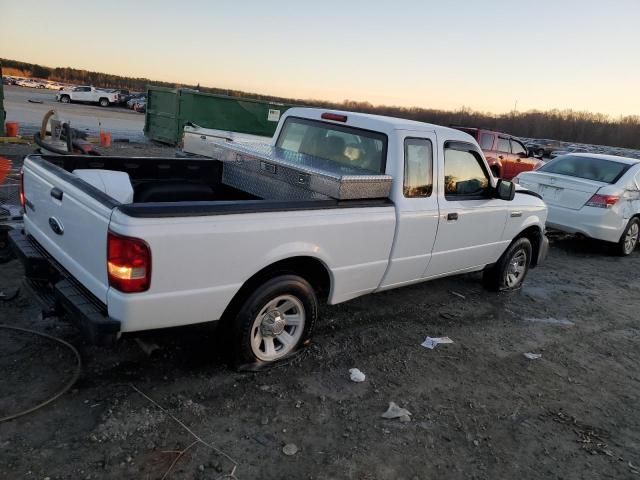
[[103, 98], [534, 235], [309, 268]]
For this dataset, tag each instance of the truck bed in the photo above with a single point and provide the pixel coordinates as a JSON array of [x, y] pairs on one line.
[[170, 187]]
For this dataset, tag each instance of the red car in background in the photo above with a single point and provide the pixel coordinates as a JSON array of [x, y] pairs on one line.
[[506, 155]]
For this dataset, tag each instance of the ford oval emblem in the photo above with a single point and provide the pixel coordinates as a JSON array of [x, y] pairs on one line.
[[56, 226]]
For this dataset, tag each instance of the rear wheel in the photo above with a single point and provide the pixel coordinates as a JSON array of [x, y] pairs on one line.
[[274, 321], [512, 267], [104, 102], [629, 240]]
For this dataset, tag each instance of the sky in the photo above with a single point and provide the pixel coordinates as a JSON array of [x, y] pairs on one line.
[[490, 55]]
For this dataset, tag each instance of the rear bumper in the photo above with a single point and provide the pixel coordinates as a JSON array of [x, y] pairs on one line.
[[599, 223], [58, 291]]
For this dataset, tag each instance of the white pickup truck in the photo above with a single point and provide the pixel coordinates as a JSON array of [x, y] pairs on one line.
[[162, 242], [86, 94]]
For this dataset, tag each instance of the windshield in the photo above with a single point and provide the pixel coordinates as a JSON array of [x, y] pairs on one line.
[[607, 171], [347, 146]]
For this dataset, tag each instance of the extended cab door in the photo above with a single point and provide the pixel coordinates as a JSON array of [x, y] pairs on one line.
[[471, 221], [416, 204]]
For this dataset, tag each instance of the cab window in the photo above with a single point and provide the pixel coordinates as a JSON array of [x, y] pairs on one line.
[[418, 168], [486, 141], [503, 145], [517, 148], [464, 175]]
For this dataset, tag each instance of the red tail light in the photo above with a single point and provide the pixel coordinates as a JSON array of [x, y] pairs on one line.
[[22, 189], [602, 201], [333, 116], [128, 263]]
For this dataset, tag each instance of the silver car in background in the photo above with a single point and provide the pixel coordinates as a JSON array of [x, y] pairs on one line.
[[594, 195]]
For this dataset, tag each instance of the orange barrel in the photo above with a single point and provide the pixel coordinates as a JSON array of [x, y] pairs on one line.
[[105, 139], [11, 129]]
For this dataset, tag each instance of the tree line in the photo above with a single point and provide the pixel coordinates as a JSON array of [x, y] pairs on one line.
[[566, 125]]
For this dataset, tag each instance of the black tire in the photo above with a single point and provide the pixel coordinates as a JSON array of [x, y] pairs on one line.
[[243, 328], [624, 249], [497, 278], [104, 102], [65, 99]]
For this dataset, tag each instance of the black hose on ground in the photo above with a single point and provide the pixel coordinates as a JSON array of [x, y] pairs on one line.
[[64, 389]]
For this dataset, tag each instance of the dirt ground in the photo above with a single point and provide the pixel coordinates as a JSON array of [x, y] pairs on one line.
[[480, 409]]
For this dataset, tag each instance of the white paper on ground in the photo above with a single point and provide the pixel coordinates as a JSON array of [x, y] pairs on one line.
[[356, 375], [432, 342], [533, 356]]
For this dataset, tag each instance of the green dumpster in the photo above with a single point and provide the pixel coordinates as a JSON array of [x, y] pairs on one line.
[[168, 110]]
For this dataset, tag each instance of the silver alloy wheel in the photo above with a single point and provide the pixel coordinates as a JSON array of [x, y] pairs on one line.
[[277, 328], [516, 268], [631, 238]]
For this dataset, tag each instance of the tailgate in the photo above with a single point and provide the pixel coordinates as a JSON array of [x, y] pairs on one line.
[[70, 219], [561, 190]]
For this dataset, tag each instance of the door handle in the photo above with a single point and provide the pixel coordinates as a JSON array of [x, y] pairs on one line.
[[56, 193], [452, 216]]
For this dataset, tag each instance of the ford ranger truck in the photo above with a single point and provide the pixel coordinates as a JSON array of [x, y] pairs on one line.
[[124, 245]]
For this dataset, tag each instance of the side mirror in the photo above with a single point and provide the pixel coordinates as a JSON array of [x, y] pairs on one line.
[[505, 190]]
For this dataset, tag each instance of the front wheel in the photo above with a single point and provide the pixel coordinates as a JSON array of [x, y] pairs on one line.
[[274, 321], [512, 267], [65, 99], [629, 240]]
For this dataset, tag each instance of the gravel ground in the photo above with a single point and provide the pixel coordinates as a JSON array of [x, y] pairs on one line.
[[480, 409]]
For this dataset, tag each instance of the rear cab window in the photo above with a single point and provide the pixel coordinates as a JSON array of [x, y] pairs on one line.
[[589, 168], [356, 148]]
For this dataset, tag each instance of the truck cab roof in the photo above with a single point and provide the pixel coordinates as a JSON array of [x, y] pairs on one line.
[[379, 123]]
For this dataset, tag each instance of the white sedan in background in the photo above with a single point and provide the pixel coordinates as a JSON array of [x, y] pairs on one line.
[[594, 195]]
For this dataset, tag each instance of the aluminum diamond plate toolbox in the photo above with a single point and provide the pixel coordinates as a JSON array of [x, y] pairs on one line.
[[304, 173]]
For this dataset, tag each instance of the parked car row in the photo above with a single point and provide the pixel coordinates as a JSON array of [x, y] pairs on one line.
[[32, 83], [84, 93]]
